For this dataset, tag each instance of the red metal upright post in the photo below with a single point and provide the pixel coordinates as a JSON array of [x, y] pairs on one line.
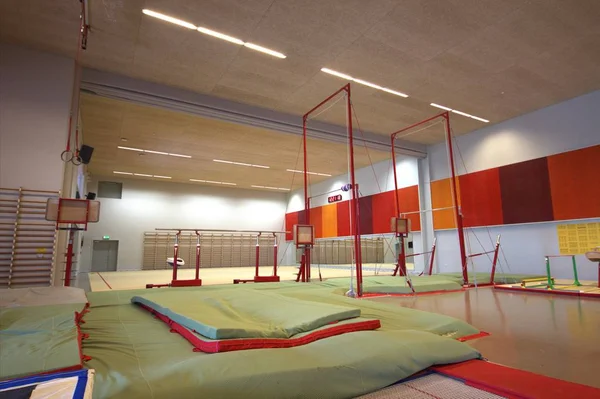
[[256, 271], [355, 198], [432, 258], [275, 255], [495, 261], [396, 199], [457, 213], [306, 276], [69, 260], [175, 254], [197, 255]]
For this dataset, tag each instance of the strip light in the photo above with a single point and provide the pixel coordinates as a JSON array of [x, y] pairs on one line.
[[272, 188], [241, 164], [141, 175], [459, 112], [214, 182], [362, 82], [213, 33], [153, 152], [310, 173]]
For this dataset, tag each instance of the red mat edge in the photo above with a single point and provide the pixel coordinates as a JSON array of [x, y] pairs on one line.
[[480, 334], [514, 383], [377, 294], [260, 343], [549, 292]]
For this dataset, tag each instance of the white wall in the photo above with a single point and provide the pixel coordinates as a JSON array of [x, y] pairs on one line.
[[148, 204], [562, 127], [35, 100]]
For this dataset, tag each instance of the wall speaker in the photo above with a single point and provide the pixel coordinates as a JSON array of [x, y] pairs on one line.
[[85, 153], [90, 196]]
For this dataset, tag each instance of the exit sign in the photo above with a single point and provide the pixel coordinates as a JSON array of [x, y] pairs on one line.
[[334, 198], [106, 237]]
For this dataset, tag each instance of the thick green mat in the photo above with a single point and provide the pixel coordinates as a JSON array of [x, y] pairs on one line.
[[135, 355], [230, 314], [398, 285], [38, 339]]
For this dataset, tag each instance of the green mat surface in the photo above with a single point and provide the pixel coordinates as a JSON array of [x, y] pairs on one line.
[[37, 339], [398, 285], [229, 314], [483, 278], [135, 355]]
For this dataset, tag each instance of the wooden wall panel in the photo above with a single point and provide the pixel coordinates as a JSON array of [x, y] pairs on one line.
[[525, 192], [409, 202], [366, 214], [330, 220], [574, 183], [480, 198], [383, 211]]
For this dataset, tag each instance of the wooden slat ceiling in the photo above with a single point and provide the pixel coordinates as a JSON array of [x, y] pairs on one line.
[[106, 122], [494, 59]]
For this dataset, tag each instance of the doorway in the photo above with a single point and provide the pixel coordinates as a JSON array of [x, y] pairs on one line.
[[104, 255]]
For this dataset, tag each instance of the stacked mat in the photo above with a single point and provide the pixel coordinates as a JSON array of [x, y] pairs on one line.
[[231, 320]]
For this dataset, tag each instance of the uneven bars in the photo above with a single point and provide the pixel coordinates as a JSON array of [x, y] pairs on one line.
[[228, 231]]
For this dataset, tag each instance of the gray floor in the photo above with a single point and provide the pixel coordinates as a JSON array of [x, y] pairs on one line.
[[554, 336]]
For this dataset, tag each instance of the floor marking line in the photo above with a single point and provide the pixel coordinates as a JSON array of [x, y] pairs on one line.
[[105, 282]]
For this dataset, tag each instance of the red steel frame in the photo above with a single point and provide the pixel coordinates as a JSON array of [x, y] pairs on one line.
[[457, 213], [355, 212]]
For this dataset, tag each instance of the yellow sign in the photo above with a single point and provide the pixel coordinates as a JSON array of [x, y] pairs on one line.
[[575, 239]]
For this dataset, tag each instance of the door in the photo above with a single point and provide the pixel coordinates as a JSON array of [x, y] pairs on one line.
[[104, 255]]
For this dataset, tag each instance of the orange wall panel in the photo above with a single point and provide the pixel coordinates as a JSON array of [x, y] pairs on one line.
[[330, 220], [316, 219], [441, 197], [408, 199], [574, 183]]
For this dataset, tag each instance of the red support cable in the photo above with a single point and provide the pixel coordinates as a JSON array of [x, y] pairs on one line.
[[175, 254], [457, 214], [431, 259], [355, 200], [396, 197], [256, 270], [275, 256], [495, 261], [69, 261]]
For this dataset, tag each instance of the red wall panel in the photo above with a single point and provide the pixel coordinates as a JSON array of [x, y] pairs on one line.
[[366, 214], [383, 211], [290, 220], [525, 192], [343, 219], [480, 198], [408, 198]]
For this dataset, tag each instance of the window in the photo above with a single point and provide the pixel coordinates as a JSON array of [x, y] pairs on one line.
[[110, 189]]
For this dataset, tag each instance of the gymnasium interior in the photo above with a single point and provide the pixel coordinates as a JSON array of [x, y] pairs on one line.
[[299, 199]]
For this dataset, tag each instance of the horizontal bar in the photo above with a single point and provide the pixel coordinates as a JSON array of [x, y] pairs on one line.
[[226, 231], [558, 256], [422, 253], [481, 253], [427, 210]]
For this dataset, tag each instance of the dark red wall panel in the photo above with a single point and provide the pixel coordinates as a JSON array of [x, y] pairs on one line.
[[290, 220], [481, 199], [525, 192], [366, 214], [343, 219]]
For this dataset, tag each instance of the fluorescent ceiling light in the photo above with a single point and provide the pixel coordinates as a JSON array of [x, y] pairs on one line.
[[168, 19], [122, 173], [272, 188], [153, 152], [241, 164], [213, 33], [362, 82], [142, 174], [338, 74], [220, 35], [264, 50], [161, 177], [214, 182], [440, 106], [310, 173], [459, 112]]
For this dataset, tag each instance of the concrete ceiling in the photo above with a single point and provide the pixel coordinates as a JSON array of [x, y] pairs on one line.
[[109, 123], [494, 59]]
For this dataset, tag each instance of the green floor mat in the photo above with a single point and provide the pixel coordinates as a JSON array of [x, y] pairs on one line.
[[37, 339], [397, 285], [135, 355], [484, 278], [230, 314]]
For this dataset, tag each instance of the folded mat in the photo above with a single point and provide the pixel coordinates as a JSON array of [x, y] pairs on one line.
[[204, 344], [38, 339], [229, 314]]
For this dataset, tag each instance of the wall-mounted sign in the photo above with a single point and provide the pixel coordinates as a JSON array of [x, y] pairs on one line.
[[334, 198], [106, 237]]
